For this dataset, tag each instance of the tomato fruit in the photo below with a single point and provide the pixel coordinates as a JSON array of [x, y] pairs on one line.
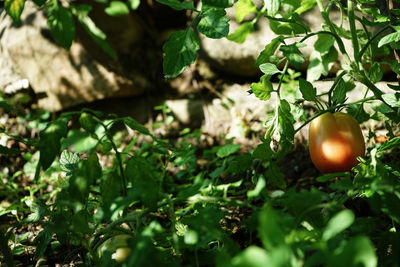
[[335, 141]]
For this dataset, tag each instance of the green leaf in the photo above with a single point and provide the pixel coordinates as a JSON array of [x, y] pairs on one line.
[[393, 37], [392, 143], [6, 106], [269, 69], [358, 251], [390, 205], [217, 3], [339, 93], [244, 8], [261, 183], [338, 223], [227, 150], [42, 240], [263, 88], [38, 213], [49, 143], [178, 5], [263, 152], [250, 257], [142, 175], [240, 163], [241, 33], [392, 99], [117, 9], [87, 122], [272, 7], [134, 4], [180, 51], [320, 64], [82, 13], [61, 24], [286, 120], [275, 176], [9, 151], [270, 228], [14, 9], [307, 90], [213, 24], [134, 125], [376, 72], [293, 54], [69, 161], [269, 51], [324, 43]]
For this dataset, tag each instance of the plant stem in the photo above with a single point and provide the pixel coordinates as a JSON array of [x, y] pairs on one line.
[[332, 109], [353, 30], [5, 249], [364, 48]]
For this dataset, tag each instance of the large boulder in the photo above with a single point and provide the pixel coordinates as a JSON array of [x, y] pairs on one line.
[[61, 78]]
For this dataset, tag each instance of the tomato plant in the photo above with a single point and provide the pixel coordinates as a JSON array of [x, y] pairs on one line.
[[336, 141]]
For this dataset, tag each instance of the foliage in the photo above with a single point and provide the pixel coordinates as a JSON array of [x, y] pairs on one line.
[[237, 208]]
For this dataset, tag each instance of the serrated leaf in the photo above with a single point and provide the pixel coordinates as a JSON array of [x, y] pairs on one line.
[[217, 3], [307, 90], [244, 8], [61, 24], [133, 4], [87, 122], [38, 213], [393, 37], [268, 51], [180, 51], [69, 161], [272, 7], [213, 24], [9, 151], [286, 120], [6, 106], [178, 5], [392, 99], [41, 241], [227, 150], [392, 143], [14, 8], [320, 64], [324, 43], [375, 72], [134, 125], [269, 69], [241, 33], [49, 143], [263, 88], [293, 54], [117, 9], [275, 176], [263, 152], [358, 251], [338, 224], [82, 13], [339, 93]]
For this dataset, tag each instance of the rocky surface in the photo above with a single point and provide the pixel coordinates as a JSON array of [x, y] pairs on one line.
[[59, 78]]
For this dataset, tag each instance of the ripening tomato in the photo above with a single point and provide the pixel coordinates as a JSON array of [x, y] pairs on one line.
[[336, 141]]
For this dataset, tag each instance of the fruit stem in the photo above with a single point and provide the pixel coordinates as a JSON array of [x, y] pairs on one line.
[[330, 109]]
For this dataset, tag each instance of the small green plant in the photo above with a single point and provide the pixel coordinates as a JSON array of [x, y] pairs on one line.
[[140, 201]]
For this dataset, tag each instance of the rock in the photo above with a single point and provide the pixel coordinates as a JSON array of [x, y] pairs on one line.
[[187, 111], [59, 78]]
